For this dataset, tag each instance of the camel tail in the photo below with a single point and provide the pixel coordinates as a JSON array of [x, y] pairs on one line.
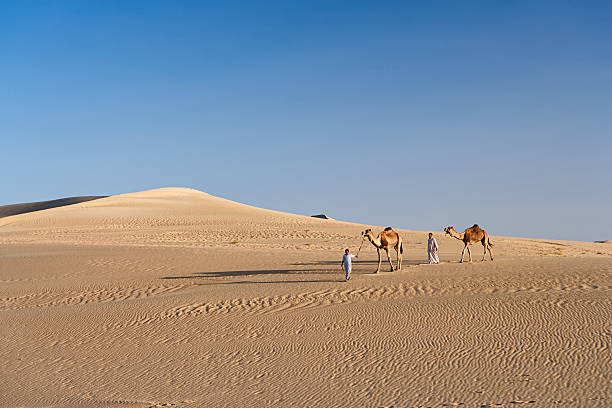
[[489, 240], [401, 248]]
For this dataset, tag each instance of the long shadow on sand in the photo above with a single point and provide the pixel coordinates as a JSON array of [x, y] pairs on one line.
[[229, 274], [268, 282], [307, 273]]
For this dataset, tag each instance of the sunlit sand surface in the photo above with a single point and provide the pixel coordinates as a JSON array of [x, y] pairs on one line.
[[173, 297]]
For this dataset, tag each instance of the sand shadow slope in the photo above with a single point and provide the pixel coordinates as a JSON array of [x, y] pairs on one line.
[[14, 209]]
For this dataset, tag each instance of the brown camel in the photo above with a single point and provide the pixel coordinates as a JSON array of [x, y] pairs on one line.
[[386, 240], [472, 235]]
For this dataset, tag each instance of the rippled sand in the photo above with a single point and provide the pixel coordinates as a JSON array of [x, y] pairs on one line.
[[173, 297]]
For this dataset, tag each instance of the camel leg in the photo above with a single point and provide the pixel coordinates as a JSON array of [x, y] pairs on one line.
[[462, 254], [378, 269], [490, 254], [485, 252], [469, 252], [389, 258], [399, 259]]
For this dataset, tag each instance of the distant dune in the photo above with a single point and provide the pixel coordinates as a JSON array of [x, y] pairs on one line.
[[14, 209]]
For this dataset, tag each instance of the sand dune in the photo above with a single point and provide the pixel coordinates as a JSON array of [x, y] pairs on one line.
[[173, 297], [14, 209]]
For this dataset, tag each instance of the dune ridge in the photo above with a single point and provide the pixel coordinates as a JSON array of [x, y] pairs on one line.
[[15, 209]]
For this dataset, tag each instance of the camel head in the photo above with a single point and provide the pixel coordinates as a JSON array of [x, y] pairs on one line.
[[366, 233], [450, 230]]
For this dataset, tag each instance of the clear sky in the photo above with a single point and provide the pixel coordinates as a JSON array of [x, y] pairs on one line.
[[416, 115]]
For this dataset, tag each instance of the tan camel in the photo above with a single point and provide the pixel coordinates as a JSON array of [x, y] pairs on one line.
[[386, 240], [472, 235]]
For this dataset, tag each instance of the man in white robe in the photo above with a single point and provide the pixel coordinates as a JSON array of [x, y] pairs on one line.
[[347, 264], [432, 249]]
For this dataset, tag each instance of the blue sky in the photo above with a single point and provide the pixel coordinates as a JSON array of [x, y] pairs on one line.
[[416, 115]]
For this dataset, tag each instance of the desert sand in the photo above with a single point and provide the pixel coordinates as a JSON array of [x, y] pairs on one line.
[[173, 297]]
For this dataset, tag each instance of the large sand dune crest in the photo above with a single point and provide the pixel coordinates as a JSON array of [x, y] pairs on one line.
[[162, 202], [174, 297]]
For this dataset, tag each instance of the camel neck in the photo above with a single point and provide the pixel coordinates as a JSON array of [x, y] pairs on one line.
[[374, 241]]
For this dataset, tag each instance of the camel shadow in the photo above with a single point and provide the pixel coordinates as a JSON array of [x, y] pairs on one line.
[[326, 268], [230, 274], [251, 273], [307, 273], [269, 282]]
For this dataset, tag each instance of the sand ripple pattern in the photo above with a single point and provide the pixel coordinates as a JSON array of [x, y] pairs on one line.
[[50, 298], [325, 298], [330, 297]]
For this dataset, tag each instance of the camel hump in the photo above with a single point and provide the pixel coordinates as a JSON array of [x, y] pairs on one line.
[[476, 227], [388, 229]]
